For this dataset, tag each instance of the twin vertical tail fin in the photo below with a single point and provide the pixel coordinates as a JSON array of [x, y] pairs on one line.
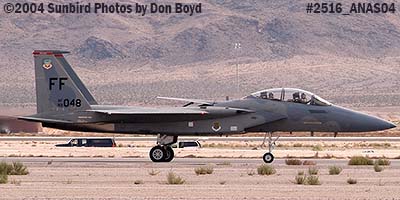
[[58, 88]]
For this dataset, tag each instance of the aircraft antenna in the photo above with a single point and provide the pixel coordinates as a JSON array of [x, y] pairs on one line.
[[237, 47]]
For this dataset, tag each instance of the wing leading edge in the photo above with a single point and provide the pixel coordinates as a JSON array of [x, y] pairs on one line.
[[150, 111], [190, 101], [209, 111]]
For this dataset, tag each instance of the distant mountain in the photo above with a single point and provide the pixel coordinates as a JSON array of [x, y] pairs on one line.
[[98, 49], [130, 59]]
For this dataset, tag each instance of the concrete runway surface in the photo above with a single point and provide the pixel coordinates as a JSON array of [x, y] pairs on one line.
[[177, 161], [114, 178]]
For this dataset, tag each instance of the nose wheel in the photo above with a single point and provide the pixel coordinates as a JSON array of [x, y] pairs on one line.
[[268, 157]]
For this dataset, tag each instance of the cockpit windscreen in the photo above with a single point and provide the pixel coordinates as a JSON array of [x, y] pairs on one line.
[[291, 95]]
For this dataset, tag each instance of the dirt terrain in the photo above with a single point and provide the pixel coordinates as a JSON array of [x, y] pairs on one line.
[[229, 180]]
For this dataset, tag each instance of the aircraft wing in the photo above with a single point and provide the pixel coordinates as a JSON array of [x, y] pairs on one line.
[[170, 111], [150, 111], [142, 114], [114, 114], [125, 115], [198, 101]]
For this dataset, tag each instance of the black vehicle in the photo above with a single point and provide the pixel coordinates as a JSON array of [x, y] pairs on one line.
[[89, 142]]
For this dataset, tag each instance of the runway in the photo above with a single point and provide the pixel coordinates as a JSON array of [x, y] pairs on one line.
[[129, 151], [176, 161]]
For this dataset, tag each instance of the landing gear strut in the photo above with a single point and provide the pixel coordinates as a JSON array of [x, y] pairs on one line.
[[163, 151], [268, 157]]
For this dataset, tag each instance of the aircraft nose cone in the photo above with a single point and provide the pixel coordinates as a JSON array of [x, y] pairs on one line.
[[390, 125], [353, 121], [380, 124]]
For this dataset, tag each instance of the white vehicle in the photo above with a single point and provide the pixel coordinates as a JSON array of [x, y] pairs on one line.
[[187, 144]]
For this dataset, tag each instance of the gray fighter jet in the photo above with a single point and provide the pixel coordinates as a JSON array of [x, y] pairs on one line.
[[63, 102]]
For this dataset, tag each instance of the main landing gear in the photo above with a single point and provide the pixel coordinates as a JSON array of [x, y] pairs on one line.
[[268, 157], [163, 151]]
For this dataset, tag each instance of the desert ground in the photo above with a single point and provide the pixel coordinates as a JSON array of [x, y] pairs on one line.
[[210, 149], [126, 172], [132, 178]]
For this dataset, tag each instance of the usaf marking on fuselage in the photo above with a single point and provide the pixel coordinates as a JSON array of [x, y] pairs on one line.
[[63, 102]]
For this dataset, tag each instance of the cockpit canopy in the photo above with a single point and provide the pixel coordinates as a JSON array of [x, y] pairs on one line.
[[291, 95]]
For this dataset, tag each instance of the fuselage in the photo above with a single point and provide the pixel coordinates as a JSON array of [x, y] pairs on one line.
[[266, 116]]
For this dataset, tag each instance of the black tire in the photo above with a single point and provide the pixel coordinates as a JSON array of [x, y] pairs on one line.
[[157, 154], [268, 158], [169, 154]]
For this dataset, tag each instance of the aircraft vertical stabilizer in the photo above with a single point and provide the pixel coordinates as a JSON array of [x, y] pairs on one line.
[[58, 88]]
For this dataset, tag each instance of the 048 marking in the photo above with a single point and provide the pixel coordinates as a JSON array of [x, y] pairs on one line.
[[69, 103]]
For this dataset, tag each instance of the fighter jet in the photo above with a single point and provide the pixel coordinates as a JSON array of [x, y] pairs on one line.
[[63, 102]]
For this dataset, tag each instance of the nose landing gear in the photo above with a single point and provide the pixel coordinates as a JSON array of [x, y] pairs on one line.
[[268, 157]]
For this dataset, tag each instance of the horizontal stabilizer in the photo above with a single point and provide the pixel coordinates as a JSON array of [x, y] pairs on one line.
[[43, 120]]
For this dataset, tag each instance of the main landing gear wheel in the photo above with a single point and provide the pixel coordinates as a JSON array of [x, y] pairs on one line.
[[268, 157], [163, 151], [158, 154], [169, 154]]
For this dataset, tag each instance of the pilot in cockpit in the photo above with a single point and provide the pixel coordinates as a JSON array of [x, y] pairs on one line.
[[296, 97], [304, 98], [271, 95], [263, 95]]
